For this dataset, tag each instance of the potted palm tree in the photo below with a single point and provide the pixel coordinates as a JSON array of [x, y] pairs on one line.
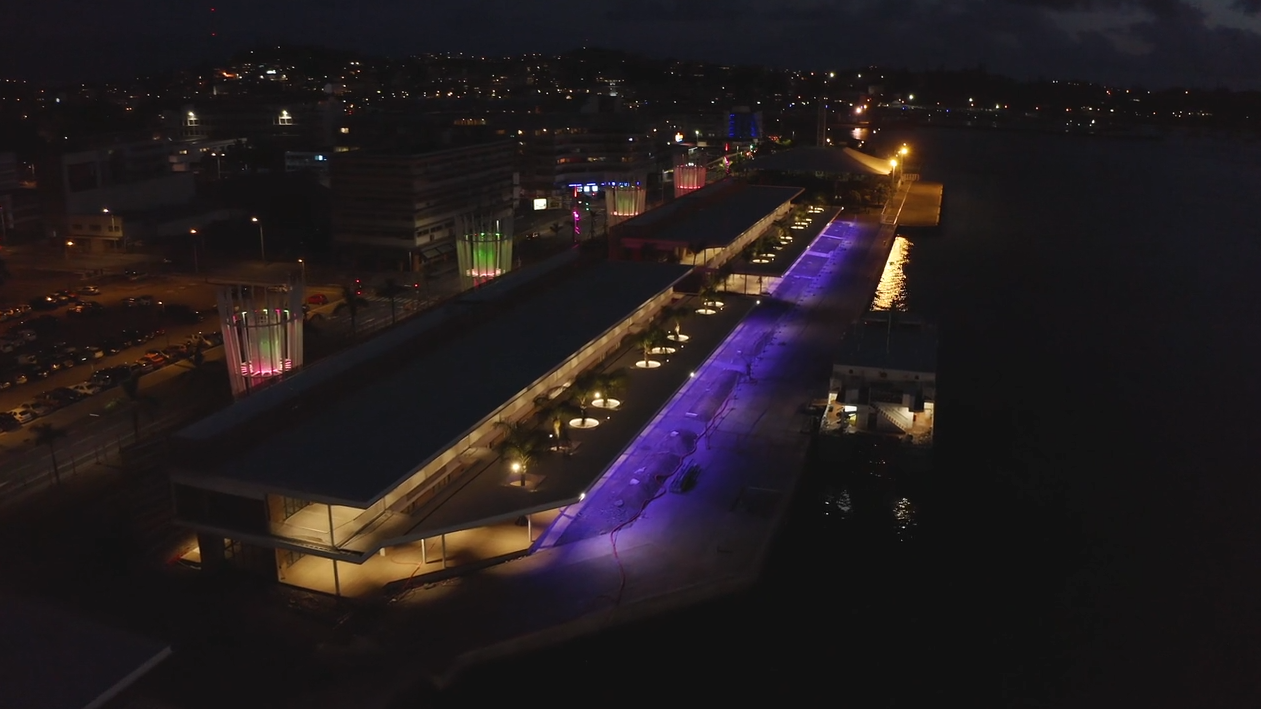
[[609, 385], [582, 391], [647, 341], [521, 442], [674, 316]]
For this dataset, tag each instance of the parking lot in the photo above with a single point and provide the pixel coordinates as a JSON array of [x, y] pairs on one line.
[[53, 340]]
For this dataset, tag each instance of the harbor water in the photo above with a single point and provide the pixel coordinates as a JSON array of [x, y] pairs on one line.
[[1088, 536]]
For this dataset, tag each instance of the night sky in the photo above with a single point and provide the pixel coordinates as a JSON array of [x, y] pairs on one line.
[[1154, 43]]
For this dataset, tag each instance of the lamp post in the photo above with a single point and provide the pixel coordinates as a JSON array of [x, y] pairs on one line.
[[192, 233], [302, 263], [262, 243], [69, 244], [112, 224]]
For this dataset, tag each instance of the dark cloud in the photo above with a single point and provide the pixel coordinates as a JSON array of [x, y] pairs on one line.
[[1248, 7], [1168, 43], [1160, 8]]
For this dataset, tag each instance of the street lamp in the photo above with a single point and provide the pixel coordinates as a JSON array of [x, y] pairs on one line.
[[302, 263], [193, 236], [69, 243], [893, 171], [262, 244]]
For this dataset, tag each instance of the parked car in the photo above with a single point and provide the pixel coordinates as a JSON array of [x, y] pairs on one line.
[[207, 339], [9, 422], [317, 299], [90, 290], [131, 338], [60, 397], [38, 370], [110, 346], [87, 307], [111, 376], [26, 334], [175, 353], [37, 408], [22, 415], [7, 346], [87, 388], [94, 352], [134, 275], [144, 365]]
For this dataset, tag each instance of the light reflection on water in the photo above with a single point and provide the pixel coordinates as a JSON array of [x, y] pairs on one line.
[[837, 504], [904, 514], [891, 292]]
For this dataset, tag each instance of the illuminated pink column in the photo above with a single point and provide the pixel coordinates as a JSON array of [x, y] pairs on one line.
[[688, 178], [262, 332]]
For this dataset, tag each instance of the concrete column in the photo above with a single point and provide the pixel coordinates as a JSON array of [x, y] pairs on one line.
[[337, 582], [211, 548]]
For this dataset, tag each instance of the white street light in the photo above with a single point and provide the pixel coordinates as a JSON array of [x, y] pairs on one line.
[[262, 244]]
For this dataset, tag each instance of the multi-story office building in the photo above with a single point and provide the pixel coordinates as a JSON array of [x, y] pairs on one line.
[[93, 186], [307, 123], [395, 208], [19, 210], [586, 151]]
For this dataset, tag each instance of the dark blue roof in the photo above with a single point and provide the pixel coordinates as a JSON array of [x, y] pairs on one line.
[[53, 660], [352, 445], [712, 216]]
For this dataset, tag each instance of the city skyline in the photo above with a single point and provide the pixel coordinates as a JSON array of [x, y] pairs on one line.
[[1153, 43]]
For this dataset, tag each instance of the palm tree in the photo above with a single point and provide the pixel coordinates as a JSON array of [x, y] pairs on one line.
[[555, 229], [647, 341], [521, 442], [554, 413], [131, 387], [609, 384], [583, 390], [709, 294], [672, 316], [47, 435]]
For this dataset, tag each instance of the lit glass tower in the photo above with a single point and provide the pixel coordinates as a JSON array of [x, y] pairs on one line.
[[262, 332], [624, 202], [484, 252]]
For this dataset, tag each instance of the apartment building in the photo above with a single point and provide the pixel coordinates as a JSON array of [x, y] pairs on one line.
[[403, 208]]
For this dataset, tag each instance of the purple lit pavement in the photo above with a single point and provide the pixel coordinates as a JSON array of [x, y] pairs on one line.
[[738, 419]]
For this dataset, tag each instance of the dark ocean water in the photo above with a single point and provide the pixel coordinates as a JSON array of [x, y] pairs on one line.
[[1092, 533]]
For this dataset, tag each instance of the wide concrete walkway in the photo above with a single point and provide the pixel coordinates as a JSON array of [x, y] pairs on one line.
[[737, 420]]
